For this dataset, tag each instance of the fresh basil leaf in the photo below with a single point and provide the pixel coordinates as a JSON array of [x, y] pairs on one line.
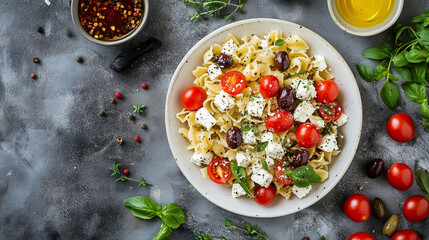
[[255, 131], [389, 94], [279, 42], [163, 233], [422, 179], [264, 164], [393, 77], [241, 177], [405, 73], [425, 123], [322, 238], [245, 128], [377, 53], [172, 215], [424, 37], [400, 59], [419, 72], [424, 17], [417, 55], [366, 73], [260, 147], [303, 176], [299, 73], [415, 92], [424, 108], [142, 207]]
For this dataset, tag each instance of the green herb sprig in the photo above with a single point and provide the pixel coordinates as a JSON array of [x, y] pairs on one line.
[[408, 54], [139, 109], [260, 147], [214, 8], [422, 179], [205, 236], [172, 216], [115, 171], [303, 176], [247, 228], [241, 177]]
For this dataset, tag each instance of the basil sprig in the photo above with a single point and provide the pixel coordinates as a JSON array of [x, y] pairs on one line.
[[260, 147], [422, 179], [303, 176], [241, 177], [245, 128], [172, 215], [409, 59], [264, 164], [279, 42]]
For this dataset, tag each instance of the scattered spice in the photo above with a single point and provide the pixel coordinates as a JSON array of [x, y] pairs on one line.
[[144, 85], [373, 231], [36, 60], [102, 114], [126, 172], [143, 126], [79, 59], [119, 140], [361, 188], [33, 76], [132, 118], [137, 139], [118, 95], [115, 171], [112, 101], [40, 30], [70, 33]]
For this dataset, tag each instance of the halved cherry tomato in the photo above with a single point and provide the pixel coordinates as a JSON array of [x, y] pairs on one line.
[[357, 207], [280, 121], [406, 234], [400, 176], [400, 127], [264, 195], [416, 208], [233, 82], [193, 98], [331, 111], [219, 170], [327, 91], [361, 236], [307, 135], [269, 86], [280, 172]]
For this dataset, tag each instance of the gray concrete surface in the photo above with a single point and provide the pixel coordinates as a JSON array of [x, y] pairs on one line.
[[55, 151]]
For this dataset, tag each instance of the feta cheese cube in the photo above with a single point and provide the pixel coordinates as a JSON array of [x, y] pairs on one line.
[[201, 158], [328, 143], [269, 161], [342, 120], [262, 177], [319, 62], [204, 118], [249, 137], [274, 150], [301, 192], [229, 48], [256, 167], [256, 106], [243, 159], [266, 136], [224, 101], [303, 111], [263, 43], [318, 121], [237, 190], [214, 71], [304, 89]]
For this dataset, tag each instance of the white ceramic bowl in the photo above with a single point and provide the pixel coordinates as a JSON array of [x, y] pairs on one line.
[[364, 32], [221, 195]]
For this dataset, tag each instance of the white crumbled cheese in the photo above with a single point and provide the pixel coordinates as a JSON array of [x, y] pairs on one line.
[[266, 136], [243, 159], [318, 121], [224, 101], [328, 143], [263, 43], [229, 48], [301, 192], [201, 158], [48, 2], [214, 71], [249, 137], [319, 62], [256, 167], [256, 106], [274, 150], [237, 190], [204, 118], [342, 120], [303, 111], [304, 89], [269, 161], [262, 177]]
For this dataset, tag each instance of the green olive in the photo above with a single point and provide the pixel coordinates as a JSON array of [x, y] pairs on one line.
[[379, 208], [390, 225]]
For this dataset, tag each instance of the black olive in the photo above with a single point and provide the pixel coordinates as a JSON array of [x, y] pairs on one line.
[[281, 61], [300, 158], [234, 137], [375, 168], [285, 97], [224, 61]]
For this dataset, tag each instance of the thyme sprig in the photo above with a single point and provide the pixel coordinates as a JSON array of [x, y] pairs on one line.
[[247, 228], [115, 171], [213, 8]]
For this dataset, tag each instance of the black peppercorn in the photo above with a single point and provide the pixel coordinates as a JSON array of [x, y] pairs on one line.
[[33, 76], [36, 60], [79, 59], [132, 118], [40, 30], [143, 126], [112, 101], [102, 114]]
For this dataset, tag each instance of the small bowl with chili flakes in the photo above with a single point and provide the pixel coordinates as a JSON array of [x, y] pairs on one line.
[[109, 22]]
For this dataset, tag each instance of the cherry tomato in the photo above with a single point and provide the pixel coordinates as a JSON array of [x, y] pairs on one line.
[[264, 195], [357, 207], [307, 135], [233, 82], [400, 127], [219, 170], [400, 176], [331, 111], [327, 91], [193, 98], [269, 86], [361, 236], [280, 173], [280, 121], [416, 208], [405, 235]]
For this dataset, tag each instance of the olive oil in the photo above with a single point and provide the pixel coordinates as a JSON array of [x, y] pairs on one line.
[[365, 13]]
